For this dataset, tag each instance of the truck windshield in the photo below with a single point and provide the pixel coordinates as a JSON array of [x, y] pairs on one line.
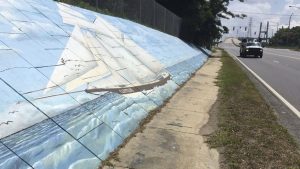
[[253, 44]]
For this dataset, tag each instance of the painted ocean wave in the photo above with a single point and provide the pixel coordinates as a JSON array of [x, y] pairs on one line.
[[98, 126]]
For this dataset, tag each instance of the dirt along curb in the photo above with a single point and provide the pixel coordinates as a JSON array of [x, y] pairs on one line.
[[173, 139]]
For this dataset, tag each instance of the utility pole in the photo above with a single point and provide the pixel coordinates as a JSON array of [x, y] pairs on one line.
[[267, 33], [96, 5], [290, 20], [250, 28], [260, 30]]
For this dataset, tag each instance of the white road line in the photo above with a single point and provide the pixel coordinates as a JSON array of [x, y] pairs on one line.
[[297, 58], [275, 93], [283, 51]]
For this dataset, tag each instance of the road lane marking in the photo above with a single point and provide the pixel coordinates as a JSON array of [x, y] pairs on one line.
[[276, 61], [283, 52], [297, 58], [273, 91]]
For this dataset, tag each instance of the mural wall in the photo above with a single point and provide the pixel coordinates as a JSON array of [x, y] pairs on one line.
[[74, 83]]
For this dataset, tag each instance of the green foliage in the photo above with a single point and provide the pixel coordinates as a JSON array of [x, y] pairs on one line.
[[287, 37], [201, 23], [80, 3]]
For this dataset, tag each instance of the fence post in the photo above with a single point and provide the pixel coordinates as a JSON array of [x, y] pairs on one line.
[[96, 5], [123, 9], [154, 13], [177, 26], [165, 19], [140, 11], [173, 25]]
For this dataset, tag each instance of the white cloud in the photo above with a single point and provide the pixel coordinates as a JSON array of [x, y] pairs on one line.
[[24, 115], [274, 11]]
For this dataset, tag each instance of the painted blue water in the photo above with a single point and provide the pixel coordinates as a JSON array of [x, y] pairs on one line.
[[101, 125]]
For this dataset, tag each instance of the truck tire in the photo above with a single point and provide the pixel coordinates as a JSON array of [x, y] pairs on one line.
[[242, 55]]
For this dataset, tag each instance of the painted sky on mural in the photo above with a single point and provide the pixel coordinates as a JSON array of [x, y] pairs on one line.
[[74, 84], [51, 53]]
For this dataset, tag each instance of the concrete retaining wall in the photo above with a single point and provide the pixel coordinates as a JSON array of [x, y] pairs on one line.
[[74, 83]]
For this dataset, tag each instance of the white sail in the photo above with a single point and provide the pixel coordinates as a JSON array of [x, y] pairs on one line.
[[140, 54], [75, 69], [141, 66], [102, 57], [98, 72]]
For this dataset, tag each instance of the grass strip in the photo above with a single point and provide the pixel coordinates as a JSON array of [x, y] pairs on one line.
[[248, 134]]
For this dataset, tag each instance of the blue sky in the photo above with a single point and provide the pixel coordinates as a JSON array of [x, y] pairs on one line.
[[277, 12]]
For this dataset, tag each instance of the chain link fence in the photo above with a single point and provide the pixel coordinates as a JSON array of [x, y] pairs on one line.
[[146, 12]]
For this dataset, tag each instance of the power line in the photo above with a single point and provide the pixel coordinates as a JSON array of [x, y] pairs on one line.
[[260, 13]]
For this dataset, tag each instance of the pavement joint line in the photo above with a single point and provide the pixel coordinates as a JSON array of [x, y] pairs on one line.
[[192, 98], [170, 124], [160, 128], [196, 88], [196, 98], [175, 108], [187, 86], [273, 91], [114, 166], [293, 53]]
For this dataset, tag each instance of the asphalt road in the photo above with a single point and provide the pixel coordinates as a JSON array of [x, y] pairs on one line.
[[280, 68]]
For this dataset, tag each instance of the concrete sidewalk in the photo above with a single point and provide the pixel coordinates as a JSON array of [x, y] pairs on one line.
[[172, 140]]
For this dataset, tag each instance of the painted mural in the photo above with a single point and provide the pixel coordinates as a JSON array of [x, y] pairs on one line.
[[74, 83]]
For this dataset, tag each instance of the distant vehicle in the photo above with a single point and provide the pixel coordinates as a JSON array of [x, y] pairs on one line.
[[251, 48]]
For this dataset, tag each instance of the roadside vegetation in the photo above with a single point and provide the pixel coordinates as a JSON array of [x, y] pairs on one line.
[[201, 19], [287, 38], [248, 134], [85, 4]]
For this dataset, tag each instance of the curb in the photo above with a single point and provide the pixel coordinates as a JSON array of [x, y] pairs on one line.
[[234, 43]]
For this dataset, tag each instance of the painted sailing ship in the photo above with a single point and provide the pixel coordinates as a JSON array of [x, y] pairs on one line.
[[99, 58]]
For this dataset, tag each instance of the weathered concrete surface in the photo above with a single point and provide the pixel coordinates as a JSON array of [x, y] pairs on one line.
[[172, 140]]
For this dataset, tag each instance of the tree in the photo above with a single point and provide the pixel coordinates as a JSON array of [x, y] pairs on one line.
[[201, 19], [287, 37]]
